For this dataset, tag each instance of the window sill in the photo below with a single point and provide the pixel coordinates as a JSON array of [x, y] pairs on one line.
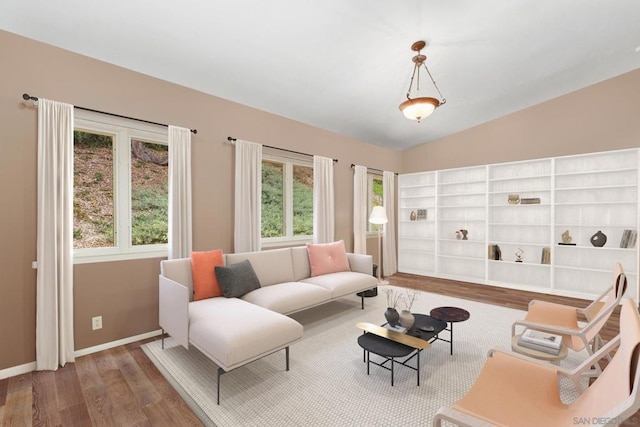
[[109, 255], [284, 242]]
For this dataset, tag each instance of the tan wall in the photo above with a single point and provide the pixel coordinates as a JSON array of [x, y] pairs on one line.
[[125, 293], [598, 118], [602, 117]]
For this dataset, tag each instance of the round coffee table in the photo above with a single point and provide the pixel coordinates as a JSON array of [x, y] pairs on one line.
[[541, 355], [451, 315]]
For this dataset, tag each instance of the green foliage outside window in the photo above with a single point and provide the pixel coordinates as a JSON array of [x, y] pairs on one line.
[[273, 200], [377, 193]]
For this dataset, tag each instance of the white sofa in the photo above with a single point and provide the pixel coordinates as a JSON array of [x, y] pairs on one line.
[[235, 331]]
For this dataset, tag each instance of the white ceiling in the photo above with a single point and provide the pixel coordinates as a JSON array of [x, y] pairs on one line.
[[344, 65]]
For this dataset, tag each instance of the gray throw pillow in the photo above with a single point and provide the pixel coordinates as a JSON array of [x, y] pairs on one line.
[[237, 279]]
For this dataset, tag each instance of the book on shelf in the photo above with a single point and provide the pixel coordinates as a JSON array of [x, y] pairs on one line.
[[629, 238], [546, 256], [494, 253], [532, 337], [530, 201]]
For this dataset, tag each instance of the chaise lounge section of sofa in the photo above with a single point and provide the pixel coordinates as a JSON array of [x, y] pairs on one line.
[[235, 331]]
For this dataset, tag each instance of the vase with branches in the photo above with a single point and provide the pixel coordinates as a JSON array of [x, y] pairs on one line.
[[393, 299], [406, 318]]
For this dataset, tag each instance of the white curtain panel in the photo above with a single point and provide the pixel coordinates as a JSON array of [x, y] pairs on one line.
[[389, 258], [248, 196], [180, 216], [54, 285], [323, 205], [360, 208]]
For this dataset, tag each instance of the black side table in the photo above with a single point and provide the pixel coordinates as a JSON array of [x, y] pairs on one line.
[[451, 315]]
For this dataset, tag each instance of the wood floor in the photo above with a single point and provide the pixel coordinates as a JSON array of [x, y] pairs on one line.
[[121, 387], [116, 387]]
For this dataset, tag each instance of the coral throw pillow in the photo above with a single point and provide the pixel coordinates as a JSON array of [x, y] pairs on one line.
[[205, 282], [327, 258]]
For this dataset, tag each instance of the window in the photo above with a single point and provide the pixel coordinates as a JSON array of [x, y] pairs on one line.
[[374, 198], [287, 200], [120, 203]]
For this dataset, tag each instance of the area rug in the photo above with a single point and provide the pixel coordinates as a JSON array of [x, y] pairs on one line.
[[328, 383]]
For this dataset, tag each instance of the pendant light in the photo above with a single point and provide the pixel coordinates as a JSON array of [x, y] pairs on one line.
[[418, 108]]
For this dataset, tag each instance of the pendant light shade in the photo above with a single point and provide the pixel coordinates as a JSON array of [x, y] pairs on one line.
[[419, 108]]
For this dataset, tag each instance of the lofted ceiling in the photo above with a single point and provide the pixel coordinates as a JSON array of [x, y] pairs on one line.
[[344, 65]]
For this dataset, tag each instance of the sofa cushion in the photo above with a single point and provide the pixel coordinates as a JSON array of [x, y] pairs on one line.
[[232, 332], [327, 258], [288, 297], [301, 267], [343, 283], [271, 267], [205, 282], [237, 279]]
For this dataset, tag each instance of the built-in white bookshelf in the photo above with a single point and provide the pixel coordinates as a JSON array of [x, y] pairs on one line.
[[595, 192], [461, 223], [520, 201], [416, 236], [524, 208]]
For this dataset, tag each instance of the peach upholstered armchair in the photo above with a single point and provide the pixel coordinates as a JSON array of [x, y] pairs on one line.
[[514, 390], [566, 320]]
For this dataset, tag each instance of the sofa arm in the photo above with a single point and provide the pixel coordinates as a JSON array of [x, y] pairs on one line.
[[174, 310], [361, 263]]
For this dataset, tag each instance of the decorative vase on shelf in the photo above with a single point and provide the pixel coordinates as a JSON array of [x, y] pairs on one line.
[[406, 319], [392, 316], [413, 216], [599, 239]]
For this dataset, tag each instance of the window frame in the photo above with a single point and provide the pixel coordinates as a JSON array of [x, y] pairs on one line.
[[123, 130], [288, 239]]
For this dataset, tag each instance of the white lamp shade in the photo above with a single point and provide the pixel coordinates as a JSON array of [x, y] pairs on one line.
[[378, 216]]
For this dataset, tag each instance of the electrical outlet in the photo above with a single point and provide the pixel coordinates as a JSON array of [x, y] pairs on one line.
[[96, 322]]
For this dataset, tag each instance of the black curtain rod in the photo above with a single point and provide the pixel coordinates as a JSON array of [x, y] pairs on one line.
[[232, 140], [373, 169], [27, 97]]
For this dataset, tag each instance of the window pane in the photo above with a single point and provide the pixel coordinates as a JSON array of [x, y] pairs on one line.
[[93, 201], [302, 200], [272, 199], [376, 193], [149, 193], [375, 197]]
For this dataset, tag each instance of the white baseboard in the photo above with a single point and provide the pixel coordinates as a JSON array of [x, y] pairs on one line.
[[108, 345], [28, 367], [17, 370]]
